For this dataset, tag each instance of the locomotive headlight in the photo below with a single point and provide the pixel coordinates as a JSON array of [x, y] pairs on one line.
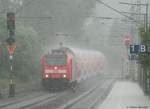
[[46, 76], [64, 76], [55, 67]]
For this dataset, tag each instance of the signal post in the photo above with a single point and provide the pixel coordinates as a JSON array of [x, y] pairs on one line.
[[11, 47]]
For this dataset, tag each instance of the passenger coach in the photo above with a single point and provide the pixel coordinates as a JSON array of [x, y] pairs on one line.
[[66, 66]]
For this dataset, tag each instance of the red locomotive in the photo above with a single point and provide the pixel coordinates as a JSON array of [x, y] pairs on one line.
[[65, 66]]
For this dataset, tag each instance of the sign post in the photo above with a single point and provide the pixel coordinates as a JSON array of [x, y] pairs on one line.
[[137, 49], [11, 82], [11, 47]]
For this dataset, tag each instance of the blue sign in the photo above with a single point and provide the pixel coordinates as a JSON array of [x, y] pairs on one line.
[[134, 48], [143, 48], [139, 49], [148, 49]]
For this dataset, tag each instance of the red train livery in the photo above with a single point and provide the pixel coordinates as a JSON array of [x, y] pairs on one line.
[[67, 66]]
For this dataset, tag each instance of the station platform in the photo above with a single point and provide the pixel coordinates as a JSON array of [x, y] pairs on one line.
[[126, 95]]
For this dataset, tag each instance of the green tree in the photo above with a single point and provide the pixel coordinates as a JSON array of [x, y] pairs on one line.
[[68, 17], [145, 39], [27, 52], [144, 59], [26, 55]]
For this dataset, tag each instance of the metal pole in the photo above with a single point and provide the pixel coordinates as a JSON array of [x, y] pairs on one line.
[[145, 28], [146, 18], [122, 74], [146, 88], [148, 69], [149, 81], [11, 81], [11, 45]]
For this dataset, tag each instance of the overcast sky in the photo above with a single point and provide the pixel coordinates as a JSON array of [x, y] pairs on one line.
[[104, 11]]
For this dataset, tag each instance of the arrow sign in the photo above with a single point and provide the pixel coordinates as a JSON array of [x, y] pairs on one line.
[[11, 48]]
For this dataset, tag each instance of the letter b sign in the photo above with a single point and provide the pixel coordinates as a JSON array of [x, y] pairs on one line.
[[142, 48]]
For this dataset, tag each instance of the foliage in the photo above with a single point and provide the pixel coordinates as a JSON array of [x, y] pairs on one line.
[[27, 52], [3, 51], [145, 39], [67, 16]]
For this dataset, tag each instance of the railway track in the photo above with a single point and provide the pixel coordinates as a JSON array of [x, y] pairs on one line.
[[18, 99], [31, 101], [64, 100], [82, 98], [86, 101]]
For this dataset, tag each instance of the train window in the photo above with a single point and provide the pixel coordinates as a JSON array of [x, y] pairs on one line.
[[54, 60]]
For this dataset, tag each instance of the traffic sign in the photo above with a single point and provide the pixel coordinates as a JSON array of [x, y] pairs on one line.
[[148, 49], [11, 48], [134, 48], [139, 49], [11, 21], [126, 40], [143, 49]]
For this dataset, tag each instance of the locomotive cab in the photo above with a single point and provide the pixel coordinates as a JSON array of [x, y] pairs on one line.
[[65, 66], [57, 68]]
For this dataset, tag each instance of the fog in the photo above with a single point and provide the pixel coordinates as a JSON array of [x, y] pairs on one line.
[[93, 32], [74, 54], [81, 23]]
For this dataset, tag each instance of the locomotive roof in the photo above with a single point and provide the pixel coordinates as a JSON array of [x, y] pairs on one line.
[[77, 52]]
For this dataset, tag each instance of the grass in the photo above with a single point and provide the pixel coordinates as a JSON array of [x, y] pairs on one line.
[[19, 84], [3, 83]]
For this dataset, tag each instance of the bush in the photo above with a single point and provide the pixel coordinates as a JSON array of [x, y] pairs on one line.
[[27, 50]]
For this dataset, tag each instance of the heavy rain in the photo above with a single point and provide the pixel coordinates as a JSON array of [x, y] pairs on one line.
[[74, 54]]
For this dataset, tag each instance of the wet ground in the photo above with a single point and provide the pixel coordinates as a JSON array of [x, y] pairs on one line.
[[126, 95]]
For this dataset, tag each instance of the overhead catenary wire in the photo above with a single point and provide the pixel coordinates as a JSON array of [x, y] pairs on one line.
[[2, 5], [30, 17], [35, 17], [133, 3], [134, 13], [17, 10], [117, 11], [24, 6], [145, 15], [103, 17]]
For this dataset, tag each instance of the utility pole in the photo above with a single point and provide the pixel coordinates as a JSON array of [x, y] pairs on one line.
[[131, 66], [139, 10], [108, 6], [11, 46], [143, 21], [145, 80], [147, 18]]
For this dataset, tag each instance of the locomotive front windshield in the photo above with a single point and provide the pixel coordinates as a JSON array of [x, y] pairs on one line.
[[56, 60]]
